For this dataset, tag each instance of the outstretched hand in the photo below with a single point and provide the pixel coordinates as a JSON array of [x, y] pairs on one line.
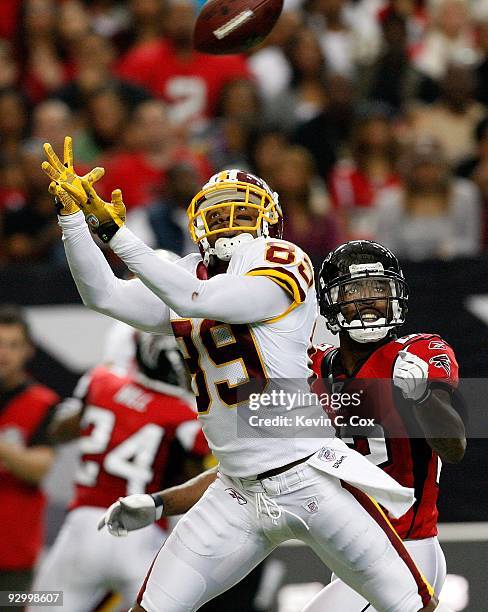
[[104, 218], [65, 173]]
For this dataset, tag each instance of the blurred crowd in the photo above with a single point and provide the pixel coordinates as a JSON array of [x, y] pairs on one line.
[[369, 117]]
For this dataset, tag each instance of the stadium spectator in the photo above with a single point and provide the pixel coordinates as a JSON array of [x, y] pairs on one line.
[[8, 22], [305, 97], [481, 70], [239, 99], [26, 408], [164, 224], [391, 79], [305, 199], [29, 232], [12, 190], [99, 57], [356, 181], [106, 115], [449, 40], [268, 63], [72, 25], [142, 23], [348, 34], [476, 169], [13, 122], [110, 17], [453, 117], [433, 214], [189, 82], [93, 66], [38, 48], [142, 170], [328, 133], [413, 13], [51, 120], [9, 70], [266, 148], [469, 167], [239, 114]]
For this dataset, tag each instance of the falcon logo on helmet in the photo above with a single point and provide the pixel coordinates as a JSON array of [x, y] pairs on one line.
[[361, 290], [231, 190]]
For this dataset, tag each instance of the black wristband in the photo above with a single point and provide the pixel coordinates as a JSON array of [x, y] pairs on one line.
[[159, 505], [158, 500], [106, 231]]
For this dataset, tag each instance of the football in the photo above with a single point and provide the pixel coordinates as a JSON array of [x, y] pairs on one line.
[[232, 26]]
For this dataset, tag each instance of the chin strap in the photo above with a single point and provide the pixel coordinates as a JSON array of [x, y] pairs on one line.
[[369, 334], [224, 247]]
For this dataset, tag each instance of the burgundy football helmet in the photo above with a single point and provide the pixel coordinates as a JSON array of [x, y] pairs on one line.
[[233, 188]]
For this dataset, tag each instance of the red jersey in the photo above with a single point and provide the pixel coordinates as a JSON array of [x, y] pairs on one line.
[[404, 454], [10, 18], [128, 433], [190, 84], [350, 188], [24, 416]]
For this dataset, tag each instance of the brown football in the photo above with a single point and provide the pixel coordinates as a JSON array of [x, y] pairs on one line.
[[232, 26]]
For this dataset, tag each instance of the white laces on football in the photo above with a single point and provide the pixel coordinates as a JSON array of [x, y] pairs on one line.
[[272, 509]]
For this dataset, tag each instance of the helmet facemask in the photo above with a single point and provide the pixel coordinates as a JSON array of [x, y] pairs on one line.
[[225, 193], [368, 303]]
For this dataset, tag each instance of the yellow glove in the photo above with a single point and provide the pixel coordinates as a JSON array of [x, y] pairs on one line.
[[103, 218], [59, 172]]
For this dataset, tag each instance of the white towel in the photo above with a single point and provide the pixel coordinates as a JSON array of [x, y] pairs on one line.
[[340, 461]]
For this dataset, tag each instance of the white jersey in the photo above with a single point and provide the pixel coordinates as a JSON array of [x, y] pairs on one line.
[[228, 362]]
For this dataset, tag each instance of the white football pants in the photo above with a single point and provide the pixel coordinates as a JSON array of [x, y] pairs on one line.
[[86, 564], [338, 597], [238, 522]]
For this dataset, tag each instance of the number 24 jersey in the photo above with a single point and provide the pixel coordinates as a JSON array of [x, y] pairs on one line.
[[128, 433]]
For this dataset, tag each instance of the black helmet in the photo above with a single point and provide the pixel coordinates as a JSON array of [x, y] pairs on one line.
[[159, 359], [343, 272]]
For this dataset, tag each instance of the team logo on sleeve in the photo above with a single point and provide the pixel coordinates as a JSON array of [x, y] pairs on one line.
[[436, 345], [441, 361]]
